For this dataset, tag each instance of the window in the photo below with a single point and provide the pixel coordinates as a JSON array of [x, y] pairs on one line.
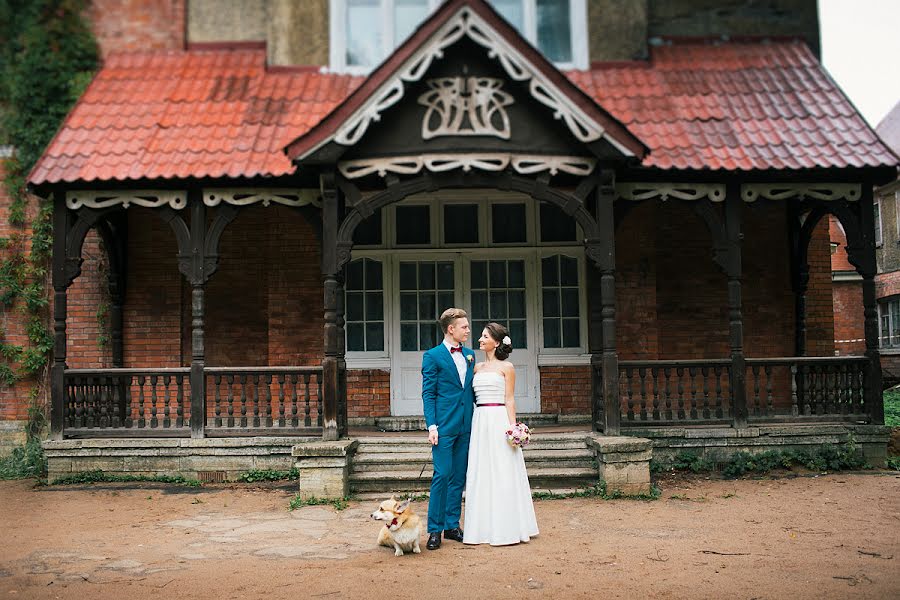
[[498, 294], [556, 226], [365, 306], [365, 32], [460, 224], [426, 289], [509, 223], [877, 207], [889, 316], [413, 225], [560, 302], [368, 232]]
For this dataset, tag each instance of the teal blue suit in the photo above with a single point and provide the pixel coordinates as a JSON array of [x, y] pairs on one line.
[[448, 403]]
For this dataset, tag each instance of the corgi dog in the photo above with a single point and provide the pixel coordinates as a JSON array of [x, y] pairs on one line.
[[402, 528]]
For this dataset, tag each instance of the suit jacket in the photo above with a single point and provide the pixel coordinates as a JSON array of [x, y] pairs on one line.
[[447, 402]]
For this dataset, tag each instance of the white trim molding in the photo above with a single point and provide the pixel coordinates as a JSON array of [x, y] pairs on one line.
[[125, 198], [468, 23], [563, 360], [265, 196], [751, 192], [665, 191], [524, 164]]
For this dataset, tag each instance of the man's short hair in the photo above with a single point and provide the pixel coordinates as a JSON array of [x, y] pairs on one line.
[[450, 315]]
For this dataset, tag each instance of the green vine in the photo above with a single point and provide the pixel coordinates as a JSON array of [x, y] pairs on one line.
[[47, 57]]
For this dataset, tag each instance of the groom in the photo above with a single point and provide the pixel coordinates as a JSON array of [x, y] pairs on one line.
[[449, 401]]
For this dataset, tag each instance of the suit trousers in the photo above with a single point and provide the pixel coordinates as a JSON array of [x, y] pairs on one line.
[[450, 457]]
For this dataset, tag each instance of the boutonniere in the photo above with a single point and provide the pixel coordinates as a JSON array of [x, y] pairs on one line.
[[470, 358]]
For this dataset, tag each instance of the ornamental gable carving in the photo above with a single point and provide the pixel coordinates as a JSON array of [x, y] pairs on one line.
[[465, 106]]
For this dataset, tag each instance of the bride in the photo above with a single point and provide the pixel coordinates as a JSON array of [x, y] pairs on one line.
[[498, 509]]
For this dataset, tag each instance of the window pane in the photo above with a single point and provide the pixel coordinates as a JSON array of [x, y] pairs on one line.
[[556, 226], [373, 275], [355, 275], [427, 310], [479, 275], [479, 305], [368, 233], [413, 225], [408, 307], [508, 223], [518, 333], [554, 36], [364, 45], [498, 306], [355, 342], [551, 333], [570, 333], [427, 336], [550, 271], [354, 306], [445, 276], [426, 276], [408, 337], [498, 273], [516, 273], [445, 301], [885, 327], [374, 307], [569, 302], [407, 276], [461, 223], [374, 336], [551, 303], [407, 15], [512, 11], [568, 271], [517, 305]]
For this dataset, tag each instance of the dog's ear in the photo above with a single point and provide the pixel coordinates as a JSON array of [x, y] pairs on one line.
[[394, 497], [403, 505]]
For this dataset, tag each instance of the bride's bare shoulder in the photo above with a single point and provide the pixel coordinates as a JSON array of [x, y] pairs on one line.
[[506, 367], [478, 366]]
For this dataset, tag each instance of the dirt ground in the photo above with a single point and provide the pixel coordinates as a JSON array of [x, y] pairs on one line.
[[833, 536]]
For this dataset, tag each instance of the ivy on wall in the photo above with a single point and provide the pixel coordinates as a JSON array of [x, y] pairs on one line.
[[48, 55]]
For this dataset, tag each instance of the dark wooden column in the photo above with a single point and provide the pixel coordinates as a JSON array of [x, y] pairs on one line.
[[197, 279], [799, 245], [114, 231], [605, 409], [733, 208], [334, 366], [866, 265], [64, 271]]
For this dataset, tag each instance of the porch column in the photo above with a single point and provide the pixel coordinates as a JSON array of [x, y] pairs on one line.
[[334, 367], [197, 279], [867, 267], [61, 280], [605, 408], [733, 208], [799, 276]]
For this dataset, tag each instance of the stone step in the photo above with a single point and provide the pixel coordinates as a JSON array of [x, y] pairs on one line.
[[417, 423], [376, 461], [394, 444], [541, 478]]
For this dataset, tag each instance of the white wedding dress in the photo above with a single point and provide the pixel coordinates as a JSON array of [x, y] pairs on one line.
[[498, 508]]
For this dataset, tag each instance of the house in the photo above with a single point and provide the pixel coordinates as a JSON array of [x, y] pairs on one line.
[[637, 191]]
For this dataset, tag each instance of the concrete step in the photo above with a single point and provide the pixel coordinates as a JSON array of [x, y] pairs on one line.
[[417, 423], [416, 445], [393, 461], [542, 478]]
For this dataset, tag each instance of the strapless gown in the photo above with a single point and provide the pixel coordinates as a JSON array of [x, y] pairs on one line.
[[498, 508]]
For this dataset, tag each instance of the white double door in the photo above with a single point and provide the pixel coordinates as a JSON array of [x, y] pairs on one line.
[[493, 287]]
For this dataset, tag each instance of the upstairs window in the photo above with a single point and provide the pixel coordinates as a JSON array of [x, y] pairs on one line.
[[365, 32]]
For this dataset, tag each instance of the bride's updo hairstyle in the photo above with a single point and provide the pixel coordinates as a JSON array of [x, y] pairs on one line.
[[500, 335]]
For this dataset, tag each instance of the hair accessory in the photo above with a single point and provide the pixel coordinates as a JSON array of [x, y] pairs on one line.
[[506, 340]]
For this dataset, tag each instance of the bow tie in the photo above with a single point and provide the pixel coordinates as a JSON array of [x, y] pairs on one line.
[[457, 349]]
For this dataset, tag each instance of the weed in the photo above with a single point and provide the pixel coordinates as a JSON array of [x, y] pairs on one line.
[[99, 476], [300, 500], [597, 491], [893, 463], [892, 408], [25, 461], [255, 475]]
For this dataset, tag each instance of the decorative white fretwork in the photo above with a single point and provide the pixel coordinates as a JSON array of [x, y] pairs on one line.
[[468, 23], [465, 106], [248, 196], [751, 192], [678, 191], [125, 198], [492, 161]]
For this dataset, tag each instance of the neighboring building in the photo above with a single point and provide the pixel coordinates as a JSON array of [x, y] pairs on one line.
[[642, 208], [846, 283], [887, 239]]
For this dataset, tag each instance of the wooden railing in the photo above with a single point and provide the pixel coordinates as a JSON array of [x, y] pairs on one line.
[[661, 392], [272, 400], [143, 401], [807, 388]]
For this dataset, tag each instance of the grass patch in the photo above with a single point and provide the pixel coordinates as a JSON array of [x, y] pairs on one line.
[[893, 463], [24, 462], [337, 503], [597, 491], [892, 407], [99, 476], [256, 475]]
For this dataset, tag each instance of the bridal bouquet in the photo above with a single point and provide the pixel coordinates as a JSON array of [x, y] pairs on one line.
[[518, 435]]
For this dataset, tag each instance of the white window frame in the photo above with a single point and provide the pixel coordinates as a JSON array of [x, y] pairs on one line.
[[374, 359], [884, 306], [897, 212], [879, 239], [337, 47], [578, 351]]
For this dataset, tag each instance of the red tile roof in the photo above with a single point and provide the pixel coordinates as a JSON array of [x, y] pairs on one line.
[[221, 113]]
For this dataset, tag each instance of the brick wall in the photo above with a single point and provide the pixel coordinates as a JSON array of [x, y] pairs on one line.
[[566, 390], [87, 335], [849, 321], [130, 25], [368, 393]]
